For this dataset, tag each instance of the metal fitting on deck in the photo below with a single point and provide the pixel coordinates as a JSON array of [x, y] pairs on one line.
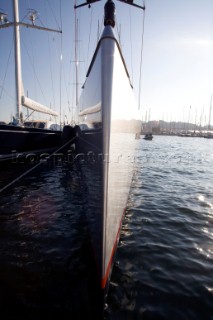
[[109, 14]]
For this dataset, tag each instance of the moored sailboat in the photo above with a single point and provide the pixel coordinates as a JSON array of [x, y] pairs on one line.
[[20, 137], [107, 123]]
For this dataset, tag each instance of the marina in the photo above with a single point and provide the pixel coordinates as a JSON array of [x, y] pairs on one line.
[[96, 222], [21, 136], [108, 149]]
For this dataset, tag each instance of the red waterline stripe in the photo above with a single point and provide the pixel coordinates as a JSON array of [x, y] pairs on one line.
[[104, 279]]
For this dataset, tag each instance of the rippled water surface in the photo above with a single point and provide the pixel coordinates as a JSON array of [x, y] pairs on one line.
[[164, 262]]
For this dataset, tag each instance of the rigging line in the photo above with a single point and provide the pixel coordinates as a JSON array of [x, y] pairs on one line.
[[50, 60], [100, 29], [65, 83], [21, 176], [76, 56], [4, 78], [35, 74], [141, 60], [51, 72], [81, 54], [28, 1], [54, 16], [61, 65], [37, 165], [50, 57], [118, 31], [70, 73], [119, 35], [90, 27], [130, 17], [32, 61], [9, 94], [72, 91], [27, 4], [34, 69]]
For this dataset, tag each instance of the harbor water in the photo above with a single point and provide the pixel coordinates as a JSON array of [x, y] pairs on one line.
[[164, 262]]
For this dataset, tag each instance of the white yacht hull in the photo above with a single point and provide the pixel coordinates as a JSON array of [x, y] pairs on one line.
[[108, 124]]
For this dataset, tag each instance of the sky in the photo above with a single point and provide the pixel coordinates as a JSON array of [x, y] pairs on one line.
[[177, 58]]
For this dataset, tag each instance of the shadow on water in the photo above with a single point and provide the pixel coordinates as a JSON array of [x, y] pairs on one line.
[[33, 291], [46, 290], [47, 266]]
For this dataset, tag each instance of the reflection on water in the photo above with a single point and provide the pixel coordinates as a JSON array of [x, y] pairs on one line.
[[164, 262]]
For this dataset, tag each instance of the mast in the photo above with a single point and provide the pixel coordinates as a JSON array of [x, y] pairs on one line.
[[76, 60], [17, 52], [210, 113], [17, 59]]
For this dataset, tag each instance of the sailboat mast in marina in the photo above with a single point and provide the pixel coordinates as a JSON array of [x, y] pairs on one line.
[[23, 136], [209, 134]]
